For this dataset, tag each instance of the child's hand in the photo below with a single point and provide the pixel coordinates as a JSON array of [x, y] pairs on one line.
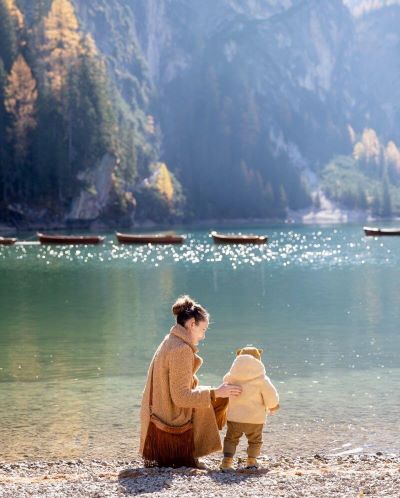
[[273, 410]]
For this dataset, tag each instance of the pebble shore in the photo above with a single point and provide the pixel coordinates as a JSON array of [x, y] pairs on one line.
[[314, 476]]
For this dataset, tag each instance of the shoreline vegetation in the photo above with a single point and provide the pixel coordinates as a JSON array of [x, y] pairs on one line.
[[307, 217], [355, 475]]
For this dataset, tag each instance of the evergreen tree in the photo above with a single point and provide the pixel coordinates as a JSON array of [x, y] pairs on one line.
[[127, 168], [386, 200], [58, 117], [20, 98], [4, 164], [269, 196], [91, 127], [57, 46], [250, 123], [20, 102], [296, 188], [317, 201], [18, 22], [15, 13], [76, 97], [49, 152], [349, 197], [362, 198], [8, 36], [376, 204], [392, 159], [35, 10]]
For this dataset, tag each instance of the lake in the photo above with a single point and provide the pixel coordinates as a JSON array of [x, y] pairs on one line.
[[79, 325]]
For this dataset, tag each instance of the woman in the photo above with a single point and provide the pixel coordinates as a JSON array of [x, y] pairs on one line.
[[178, 422]]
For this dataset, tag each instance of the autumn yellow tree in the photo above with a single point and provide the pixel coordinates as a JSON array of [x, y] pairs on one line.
[[89, 48], [359, 151], [368, 149], [20, 102], [352, 134], [62, 43], [163, 181], [371, 144], [15, 13], [392, 156]]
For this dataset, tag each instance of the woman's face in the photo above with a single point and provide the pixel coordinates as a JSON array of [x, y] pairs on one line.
[[197, 331]]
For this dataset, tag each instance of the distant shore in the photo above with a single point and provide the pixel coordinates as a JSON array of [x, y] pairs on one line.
[[322, 217], [313, 476]]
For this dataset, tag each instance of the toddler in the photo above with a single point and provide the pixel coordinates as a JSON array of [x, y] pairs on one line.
[[247, 412]]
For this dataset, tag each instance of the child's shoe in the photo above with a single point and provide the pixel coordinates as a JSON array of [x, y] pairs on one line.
[[226, 464], [251, 463]]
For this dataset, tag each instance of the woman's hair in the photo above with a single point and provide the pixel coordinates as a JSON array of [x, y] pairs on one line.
[[185, 308]]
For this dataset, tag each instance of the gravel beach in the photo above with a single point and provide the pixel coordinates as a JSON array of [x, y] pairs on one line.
[[314, 476]]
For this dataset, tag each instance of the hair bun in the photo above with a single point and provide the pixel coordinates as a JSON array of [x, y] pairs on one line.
[[182, 304]]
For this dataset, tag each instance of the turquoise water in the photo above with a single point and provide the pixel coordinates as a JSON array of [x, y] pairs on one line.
[[78, 327]]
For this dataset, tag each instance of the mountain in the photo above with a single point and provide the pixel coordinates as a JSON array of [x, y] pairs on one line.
[[242, 108], [253, 99]]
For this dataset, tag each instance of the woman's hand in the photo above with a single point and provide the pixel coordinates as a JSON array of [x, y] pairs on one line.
[[227, 391]]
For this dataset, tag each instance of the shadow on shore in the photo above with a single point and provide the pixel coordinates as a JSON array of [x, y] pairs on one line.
[[142, 480]]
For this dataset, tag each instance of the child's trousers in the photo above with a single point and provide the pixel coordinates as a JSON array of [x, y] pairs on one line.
[[234, 433]]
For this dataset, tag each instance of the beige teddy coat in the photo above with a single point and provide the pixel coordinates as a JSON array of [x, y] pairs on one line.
[[258, 393], [176, 395]]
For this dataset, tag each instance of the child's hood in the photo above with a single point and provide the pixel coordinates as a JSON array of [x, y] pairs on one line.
[[246, 367]]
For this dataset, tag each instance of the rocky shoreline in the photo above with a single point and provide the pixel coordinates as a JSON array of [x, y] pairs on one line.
[[314, 476]]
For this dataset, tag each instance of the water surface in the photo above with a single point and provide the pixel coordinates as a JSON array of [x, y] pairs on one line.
[[78, 327]]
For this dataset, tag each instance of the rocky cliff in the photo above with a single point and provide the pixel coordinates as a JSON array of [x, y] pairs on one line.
[[248, 97]]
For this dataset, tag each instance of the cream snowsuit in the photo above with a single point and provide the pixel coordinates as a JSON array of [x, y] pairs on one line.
[[247, 412]]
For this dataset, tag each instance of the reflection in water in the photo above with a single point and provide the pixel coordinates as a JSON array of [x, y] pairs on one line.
[[78, 327]]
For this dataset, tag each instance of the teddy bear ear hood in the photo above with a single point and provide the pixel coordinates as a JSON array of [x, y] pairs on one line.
[[246, 367]]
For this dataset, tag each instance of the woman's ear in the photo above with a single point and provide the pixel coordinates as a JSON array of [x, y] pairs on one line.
[[238, 351]]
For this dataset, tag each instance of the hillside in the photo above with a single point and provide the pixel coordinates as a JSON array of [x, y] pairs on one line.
[[208, 110]]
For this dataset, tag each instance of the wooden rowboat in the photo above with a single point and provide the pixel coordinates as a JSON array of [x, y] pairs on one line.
[[7, 241], [69, 239], [156, 238], [233, 238], [376, 232]]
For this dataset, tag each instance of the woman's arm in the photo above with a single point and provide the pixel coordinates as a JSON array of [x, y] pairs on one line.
[[181, 379]]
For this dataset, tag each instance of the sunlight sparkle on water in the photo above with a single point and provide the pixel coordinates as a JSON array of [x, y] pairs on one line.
[[313, 248]]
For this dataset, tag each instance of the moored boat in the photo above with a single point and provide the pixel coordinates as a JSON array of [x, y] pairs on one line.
[[69, 239], [238, 238], [155, 238], [377, 232], [7, 241]]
